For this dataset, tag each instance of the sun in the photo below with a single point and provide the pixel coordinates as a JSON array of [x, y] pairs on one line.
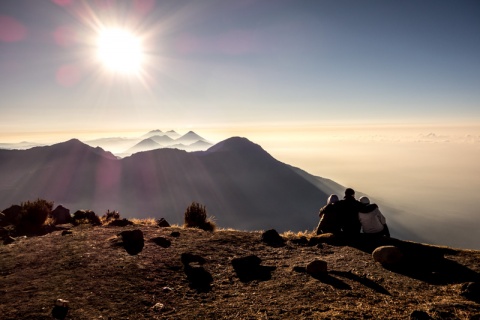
[[120, 51]]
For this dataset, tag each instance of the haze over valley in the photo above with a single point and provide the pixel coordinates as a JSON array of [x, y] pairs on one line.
[[103, 100]]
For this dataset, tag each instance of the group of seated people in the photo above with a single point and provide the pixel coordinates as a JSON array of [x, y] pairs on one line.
[[349, 216]]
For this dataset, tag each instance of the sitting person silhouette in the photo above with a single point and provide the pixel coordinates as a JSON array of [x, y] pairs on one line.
[[373, 222], [348, 210], [329, 217]]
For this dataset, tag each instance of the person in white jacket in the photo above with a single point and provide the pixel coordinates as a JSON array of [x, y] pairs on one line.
[[373, 222]]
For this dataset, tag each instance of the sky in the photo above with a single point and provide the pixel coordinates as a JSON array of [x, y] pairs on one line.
[[382, 96], [222, 63]]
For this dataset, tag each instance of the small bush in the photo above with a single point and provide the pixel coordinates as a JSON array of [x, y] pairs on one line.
[[86, 217], [110, 216], [196, 217], [33, 214]]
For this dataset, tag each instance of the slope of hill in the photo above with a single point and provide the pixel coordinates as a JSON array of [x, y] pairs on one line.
[[145, 145], [239, 182], [100, 280]]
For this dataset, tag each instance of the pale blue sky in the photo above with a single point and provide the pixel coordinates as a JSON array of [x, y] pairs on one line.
[[224, 63]]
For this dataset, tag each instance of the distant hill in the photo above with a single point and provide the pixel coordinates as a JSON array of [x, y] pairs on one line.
[[145, 145], [239, 182], [123, 147]]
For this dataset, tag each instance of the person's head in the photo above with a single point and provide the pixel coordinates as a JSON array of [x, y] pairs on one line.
[[349, 192], [332, 199], [364, 200]]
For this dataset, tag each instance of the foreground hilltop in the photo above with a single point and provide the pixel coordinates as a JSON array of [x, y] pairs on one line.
[[193, 274]]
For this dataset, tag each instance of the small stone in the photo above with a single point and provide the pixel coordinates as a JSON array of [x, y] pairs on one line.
[[162, 223], [317, 267], [60, 309], [158, 306], [66, 232], [167, 289], [272, 238], [162, 242]]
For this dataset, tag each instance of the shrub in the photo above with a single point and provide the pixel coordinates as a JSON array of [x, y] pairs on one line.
[[110, 216], [196, 217], [33, 214], [86, 217]]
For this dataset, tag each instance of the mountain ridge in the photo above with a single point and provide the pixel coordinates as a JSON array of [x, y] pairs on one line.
[[240, 183]]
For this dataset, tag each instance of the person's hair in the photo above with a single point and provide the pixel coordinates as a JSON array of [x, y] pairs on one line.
[[364, 200], [349, 192], [332, 199]]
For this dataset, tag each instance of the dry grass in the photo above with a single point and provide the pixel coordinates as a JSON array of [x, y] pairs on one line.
[[293, 234]]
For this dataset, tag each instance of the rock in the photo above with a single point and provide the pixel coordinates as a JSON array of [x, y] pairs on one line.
[[162, 242], [419, 315], [175, 234], [388, 255], [199, 278], [12, 214], [470, 290], [317, 267], [162, 223], [61, 215], [158, 306], [272, 238], [120, 223], [60, 309], [133, 241], [248, 269]]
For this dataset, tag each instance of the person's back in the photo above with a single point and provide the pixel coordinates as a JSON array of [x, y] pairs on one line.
[[373, 222], [348, 210], [329, 216]]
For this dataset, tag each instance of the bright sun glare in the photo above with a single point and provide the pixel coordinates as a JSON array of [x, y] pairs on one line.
[[120, 51]]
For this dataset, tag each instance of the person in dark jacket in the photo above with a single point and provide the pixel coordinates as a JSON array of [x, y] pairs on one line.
[[348, 210], [329, 217]]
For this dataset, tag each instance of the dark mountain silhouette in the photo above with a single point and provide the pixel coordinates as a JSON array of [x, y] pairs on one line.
[[240, 183]]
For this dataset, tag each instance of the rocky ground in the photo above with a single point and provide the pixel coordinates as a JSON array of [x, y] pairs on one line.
[[193, 274]]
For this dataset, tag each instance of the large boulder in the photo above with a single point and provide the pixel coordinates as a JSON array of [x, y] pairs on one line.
[[61, 215], [13, 214], [388, 255]]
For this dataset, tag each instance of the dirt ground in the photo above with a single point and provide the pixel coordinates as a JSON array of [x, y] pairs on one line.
[[102, 281]]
